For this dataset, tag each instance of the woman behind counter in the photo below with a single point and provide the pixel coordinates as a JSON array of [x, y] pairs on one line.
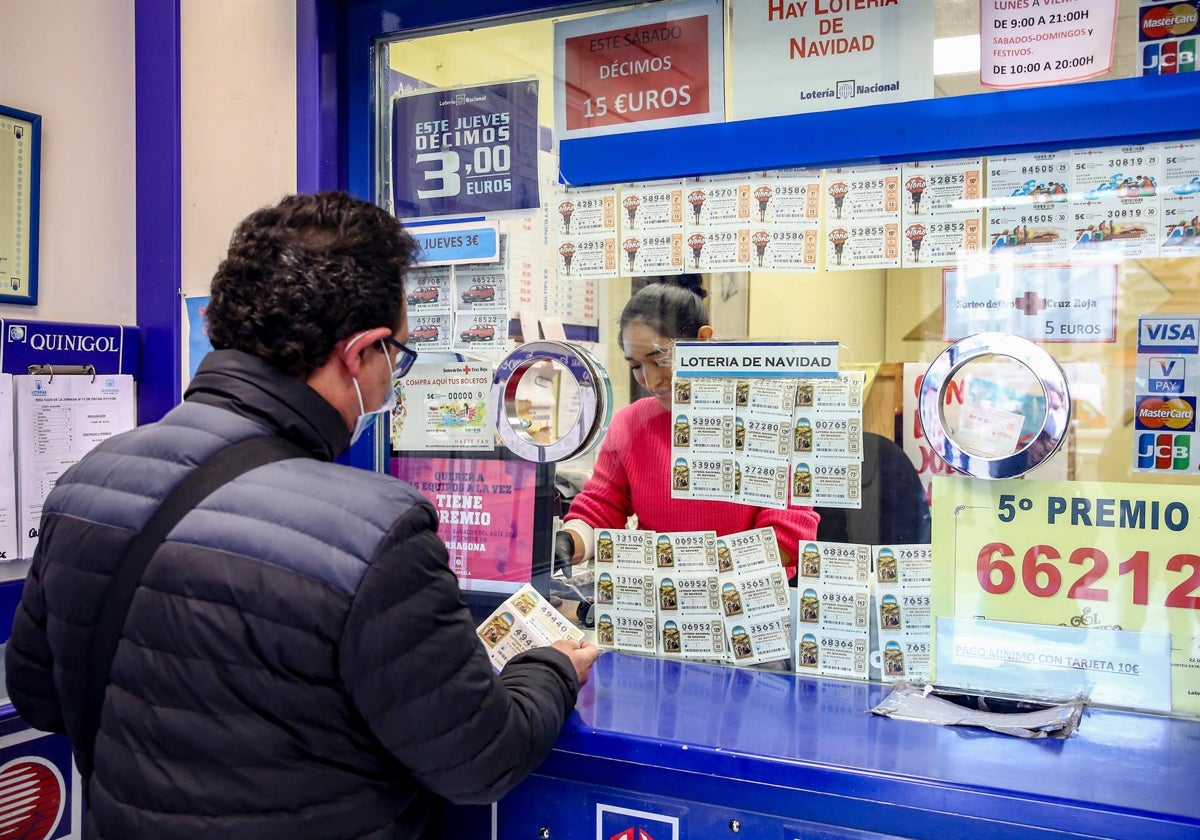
[[633, 468]]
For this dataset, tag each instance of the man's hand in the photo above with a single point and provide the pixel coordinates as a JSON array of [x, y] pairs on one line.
[[582, 654]]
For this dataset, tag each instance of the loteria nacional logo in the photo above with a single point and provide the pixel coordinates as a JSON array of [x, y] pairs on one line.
[[1176, 414], [1164, 451]]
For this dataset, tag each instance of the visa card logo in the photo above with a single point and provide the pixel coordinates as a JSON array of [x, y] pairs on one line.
[[1164, 452], [1166, 375], [1168, 335], [616, 823]]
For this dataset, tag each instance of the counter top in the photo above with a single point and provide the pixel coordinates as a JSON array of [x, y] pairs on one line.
[[1119, 774]]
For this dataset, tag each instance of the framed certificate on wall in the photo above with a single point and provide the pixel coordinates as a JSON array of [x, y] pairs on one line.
[[20, 160]]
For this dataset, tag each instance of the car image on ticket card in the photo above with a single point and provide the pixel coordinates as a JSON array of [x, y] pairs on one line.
[[423, 294], [479, 333], [425, 332], [479, 292]]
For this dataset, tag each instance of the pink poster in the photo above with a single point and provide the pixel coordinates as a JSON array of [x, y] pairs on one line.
[[485, 516]]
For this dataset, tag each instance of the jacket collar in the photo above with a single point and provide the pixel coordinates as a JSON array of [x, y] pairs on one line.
[[248, 386]]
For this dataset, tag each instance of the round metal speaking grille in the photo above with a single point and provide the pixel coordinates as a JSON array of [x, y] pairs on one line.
[[1040, 448], [595, 401]]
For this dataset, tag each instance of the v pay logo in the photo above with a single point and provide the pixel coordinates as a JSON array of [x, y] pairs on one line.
[[1167, 374]]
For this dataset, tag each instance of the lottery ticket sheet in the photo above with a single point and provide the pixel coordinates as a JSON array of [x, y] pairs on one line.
[[903, 622], [833, 611], [524, 621]]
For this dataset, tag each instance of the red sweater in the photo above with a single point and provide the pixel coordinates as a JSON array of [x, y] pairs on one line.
[[633, 475]]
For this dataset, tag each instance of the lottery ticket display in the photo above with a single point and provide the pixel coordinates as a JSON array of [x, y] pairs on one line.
[[587, 233], [460, 307], [524, 621], [863, 611], [862, 217], [692, 595], [768, 442], [833, 611], [903, 585]]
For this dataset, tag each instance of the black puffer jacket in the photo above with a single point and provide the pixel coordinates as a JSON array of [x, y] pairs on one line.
[[297, 662]]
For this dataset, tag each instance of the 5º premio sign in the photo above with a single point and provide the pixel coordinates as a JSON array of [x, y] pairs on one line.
[[1088, 555], [465, 150]]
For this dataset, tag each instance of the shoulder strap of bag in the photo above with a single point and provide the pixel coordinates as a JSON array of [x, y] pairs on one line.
[[217, 470]]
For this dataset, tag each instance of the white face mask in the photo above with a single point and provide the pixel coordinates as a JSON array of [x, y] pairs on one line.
[[366, 418]]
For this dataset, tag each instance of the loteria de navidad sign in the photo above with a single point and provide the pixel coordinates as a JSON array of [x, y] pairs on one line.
[[799, 56], [767, 359]]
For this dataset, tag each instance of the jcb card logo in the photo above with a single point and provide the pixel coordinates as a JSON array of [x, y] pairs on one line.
[[1177, 413], [1169, 57], [1164, 452]]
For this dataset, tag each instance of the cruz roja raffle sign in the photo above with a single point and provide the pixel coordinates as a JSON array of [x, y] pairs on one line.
[[465, 150], [660, 66]]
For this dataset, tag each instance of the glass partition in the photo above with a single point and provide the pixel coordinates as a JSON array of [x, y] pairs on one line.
[[1090, 253]]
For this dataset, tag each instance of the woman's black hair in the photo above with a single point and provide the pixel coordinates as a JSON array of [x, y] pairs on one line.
[[672, 306]]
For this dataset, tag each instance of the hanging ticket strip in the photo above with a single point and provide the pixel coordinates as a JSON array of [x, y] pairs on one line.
[[1046, 207], [769, 424]]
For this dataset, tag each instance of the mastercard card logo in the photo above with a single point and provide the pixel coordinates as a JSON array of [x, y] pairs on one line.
[[1177, 414], [1169, 20]]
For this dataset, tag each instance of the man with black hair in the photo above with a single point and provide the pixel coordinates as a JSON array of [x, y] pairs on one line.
[[296, 661]]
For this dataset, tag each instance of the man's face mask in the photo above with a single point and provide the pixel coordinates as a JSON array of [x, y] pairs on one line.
[[366, 418]]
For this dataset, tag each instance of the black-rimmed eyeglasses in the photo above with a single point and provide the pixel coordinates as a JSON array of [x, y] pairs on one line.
[[404, 361]]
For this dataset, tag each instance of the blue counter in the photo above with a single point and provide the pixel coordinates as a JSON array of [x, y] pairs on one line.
[[688, 751]]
